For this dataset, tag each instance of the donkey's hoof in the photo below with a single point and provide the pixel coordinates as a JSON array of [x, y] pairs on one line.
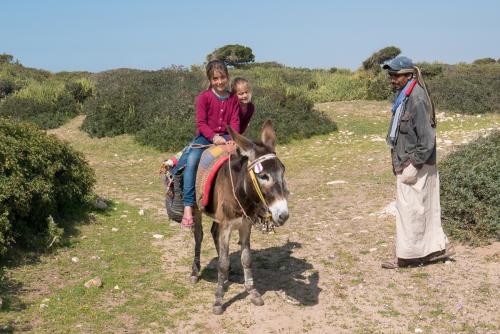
[[194, 279], [217, 309], [257, 300]]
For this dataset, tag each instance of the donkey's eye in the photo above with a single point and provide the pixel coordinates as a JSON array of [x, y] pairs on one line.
[[263, 177]]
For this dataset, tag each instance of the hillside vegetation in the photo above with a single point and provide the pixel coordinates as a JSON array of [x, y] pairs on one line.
[[43, 181]]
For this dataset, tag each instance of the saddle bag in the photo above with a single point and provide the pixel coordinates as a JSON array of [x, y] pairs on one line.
[[173, 195]]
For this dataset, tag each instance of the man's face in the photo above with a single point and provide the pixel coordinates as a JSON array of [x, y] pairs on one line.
[[398, 81]]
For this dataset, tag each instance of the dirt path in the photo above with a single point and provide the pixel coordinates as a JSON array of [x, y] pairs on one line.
[[320, 272]]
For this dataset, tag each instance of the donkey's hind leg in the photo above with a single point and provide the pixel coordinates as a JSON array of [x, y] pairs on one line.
[[246, 262], [223, 268], [198, 238]]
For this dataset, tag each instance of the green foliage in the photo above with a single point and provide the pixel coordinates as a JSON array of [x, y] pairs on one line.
[[46, 104], [379, 87], [233, 54], [484, 61], [292, 115], [158, 107], [6, 58], [41, 97], [265, 64], [80, 89], [7, 87], [430, 70], [373, 62], [470, 198], [40, 178], [469, 89]]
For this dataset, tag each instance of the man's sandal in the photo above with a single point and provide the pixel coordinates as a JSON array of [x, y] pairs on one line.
[[448, 252], [187, 222], [400, 263]]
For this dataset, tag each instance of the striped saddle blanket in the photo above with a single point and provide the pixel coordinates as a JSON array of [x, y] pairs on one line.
[[211, 161]]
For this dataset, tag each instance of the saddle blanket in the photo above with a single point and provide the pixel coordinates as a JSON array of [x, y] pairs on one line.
[[210, 162]]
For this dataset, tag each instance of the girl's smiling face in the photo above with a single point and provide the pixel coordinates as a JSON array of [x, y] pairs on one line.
[[243, 93], [219, 81]]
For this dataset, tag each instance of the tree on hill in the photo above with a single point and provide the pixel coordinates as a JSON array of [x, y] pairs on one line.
[[484, 61], [6, 58], [233, 55], [378, 58]]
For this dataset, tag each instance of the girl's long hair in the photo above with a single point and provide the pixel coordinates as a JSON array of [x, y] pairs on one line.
[[215, 65]]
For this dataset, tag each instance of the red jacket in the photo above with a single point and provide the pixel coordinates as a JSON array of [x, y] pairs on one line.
[[213, 114]]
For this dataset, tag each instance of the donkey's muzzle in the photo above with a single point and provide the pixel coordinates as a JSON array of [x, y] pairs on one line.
[[279, 211]]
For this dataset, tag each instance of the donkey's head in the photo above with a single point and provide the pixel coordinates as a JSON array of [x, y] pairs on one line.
[[268, 169]]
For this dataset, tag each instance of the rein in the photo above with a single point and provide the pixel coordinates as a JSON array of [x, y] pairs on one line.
[[267, 217]]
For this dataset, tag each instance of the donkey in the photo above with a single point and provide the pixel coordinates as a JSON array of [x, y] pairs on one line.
[[236, 204]]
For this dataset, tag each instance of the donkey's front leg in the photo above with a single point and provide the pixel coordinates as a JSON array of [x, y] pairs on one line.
[[198, 238], [224, 237], [246, 262]]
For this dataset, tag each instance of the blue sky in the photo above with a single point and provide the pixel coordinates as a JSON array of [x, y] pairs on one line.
[[100, 35]]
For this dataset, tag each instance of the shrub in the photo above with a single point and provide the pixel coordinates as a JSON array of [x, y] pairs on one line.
[[484, 61], [292, 115], [7, 87], [470, 198], [373, 62], [379, 87], [148, 104], [46, 104], [233, 55], [80, 89], [469, 89], [40, 177], [158, 107], [430, 70]]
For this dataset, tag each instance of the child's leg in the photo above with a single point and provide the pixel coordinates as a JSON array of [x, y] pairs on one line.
[[190, 171], [181, 159]]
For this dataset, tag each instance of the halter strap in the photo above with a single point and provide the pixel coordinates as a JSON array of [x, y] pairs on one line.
[[261, 159]]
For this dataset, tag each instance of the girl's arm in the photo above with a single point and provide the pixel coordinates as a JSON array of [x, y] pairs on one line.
[[202, 117]]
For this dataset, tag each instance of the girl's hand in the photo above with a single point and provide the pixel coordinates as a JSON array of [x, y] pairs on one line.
[[219, 140]]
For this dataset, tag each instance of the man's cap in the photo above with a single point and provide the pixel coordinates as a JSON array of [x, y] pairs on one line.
[[399, 65]]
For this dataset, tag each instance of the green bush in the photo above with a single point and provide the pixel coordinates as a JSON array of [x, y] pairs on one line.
[[158, 106], [46, 104], [292, 115], [7, 87], [430, 70], [470, 196], [41, 180], [233, 55], [484, 61], [379, 87], [373, 62], [80, 89], [470, 89]]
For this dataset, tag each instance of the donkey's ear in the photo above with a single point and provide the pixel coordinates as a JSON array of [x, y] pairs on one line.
[[245, 146], [268, 136]]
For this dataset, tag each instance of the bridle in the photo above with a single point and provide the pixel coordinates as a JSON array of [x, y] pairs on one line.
[[250, 168]]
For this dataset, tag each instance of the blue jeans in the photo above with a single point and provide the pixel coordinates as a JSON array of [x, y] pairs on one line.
[[190, 159]]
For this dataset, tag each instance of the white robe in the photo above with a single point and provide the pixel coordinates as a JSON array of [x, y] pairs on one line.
[[418, 218]]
